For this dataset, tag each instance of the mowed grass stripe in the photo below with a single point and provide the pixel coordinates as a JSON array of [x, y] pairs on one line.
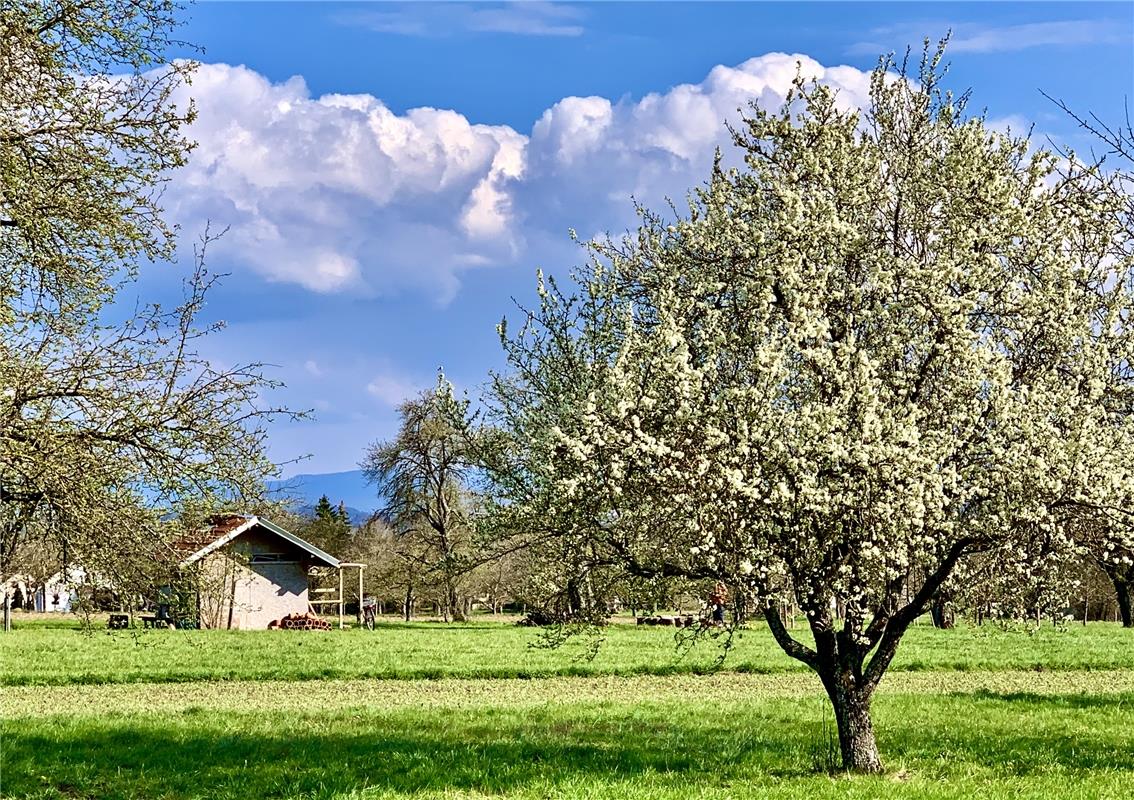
[[332, 695], [55, 656], [1010, 737]]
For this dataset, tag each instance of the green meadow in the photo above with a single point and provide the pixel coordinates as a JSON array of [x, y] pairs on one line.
[[480, 710], [64, 652]]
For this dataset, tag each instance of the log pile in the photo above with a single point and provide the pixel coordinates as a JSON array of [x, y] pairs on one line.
[[300, 622]]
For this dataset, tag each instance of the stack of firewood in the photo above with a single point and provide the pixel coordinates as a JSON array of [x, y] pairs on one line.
[[301, 622]]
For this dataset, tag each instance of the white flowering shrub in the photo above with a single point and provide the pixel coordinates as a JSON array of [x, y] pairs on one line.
[[893, 341]]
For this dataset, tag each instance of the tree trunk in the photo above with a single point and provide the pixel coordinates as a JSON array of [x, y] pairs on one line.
[[1122, 588], [856, 732], [574, 597], [940, 616], [456, 612], [408, 607], [739, 609]]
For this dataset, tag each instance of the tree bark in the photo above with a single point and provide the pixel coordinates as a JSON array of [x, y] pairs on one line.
[[1122, 589], [455, 611], [848, 688], [857, 744], [575, 598]]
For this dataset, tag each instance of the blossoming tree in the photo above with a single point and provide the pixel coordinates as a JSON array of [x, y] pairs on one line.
[[892, 341]]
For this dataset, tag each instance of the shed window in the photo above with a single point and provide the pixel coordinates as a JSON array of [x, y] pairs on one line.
[[272, 558]]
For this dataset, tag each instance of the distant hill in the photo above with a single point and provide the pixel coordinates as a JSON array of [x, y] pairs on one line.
[[355, 516], [349, 488]]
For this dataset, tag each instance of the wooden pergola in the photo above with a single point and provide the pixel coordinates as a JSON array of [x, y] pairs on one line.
[[340, 600]]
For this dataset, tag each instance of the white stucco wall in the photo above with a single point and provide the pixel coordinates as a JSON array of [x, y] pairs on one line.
[[265, 592], [241, 594], [59, 593]]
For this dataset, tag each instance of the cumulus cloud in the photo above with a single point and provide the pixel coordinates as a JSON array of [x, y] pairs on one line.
[[338, 193], [588, 156]]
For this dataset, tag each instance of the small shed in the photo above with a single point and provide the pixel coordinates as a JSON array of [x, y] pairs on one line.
[[60, 591], [248, 571]]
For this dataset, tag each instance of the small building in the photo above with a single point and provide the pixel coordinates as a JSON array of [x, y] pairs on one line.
[[19, 591], [60, 592], [247, 572]]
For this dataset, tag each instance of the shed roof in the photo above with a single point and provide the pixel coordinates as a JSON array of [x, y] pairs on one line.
[[228, 527]]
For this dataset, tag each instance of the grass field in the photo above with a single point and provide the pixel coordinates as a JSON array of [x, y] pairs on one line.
[[982, 713], [60, 652]]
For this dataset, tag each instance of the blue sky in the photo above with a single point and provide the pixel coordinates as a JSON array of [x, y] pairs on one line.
[[392, 174]]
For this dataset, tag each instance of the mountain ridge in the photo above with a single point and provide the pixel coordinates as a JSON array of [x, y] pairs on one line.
[[348, 487]]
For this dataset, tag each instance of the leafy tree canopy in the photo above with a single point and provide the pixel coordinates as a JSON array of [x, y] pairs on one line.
[[105, 426], [88, 136]]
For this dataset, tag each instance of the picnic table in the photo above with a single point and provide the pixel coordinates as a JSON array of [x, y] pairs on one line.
[[161, 618]]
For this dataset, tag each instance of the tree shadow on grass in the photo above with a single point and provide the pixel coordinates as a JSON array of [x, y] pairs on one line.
[[1014, 734], [1033, 699], [200, 753], [127, 758]]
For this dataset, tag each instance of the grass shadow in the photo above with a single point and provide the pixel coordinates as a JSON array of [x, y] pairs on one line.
[[498, 751], [1035, 700]]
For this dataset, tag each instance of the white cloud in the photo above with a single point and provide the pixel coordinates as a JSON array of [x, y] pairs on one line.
[[311, 366], [587, 156], [392, 389], [1013, 124], [1039, 34], [573, 126], [979, 38], [447, 19], [338, 193]]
